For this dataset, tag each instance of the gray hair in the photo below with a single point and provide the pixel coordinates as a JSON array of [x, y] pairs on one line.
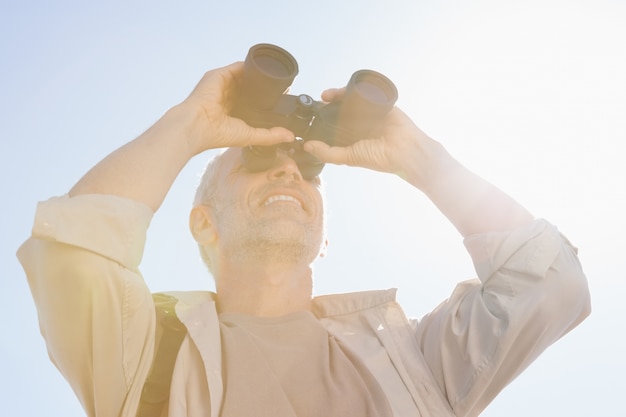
[[205, 193]]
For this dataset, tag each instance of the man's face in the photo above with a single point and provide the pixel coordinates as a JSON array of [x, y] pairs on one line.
[[273, 215]]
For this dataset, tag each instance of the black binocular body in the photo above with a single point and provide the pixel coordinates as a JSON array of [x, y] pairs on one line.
[[261, 101]]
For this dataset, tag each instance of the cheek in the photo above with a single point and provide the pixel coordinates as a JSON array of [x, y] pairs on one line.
[[321, 203], [320, 215], [233, 213]]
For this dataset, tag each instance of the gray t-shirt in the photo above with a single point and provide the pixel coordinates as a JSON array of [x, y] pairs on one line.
[[291, 366]]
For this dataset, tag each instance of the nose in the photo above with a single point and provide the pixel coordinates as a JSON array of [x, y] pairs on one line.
[[285, 167]]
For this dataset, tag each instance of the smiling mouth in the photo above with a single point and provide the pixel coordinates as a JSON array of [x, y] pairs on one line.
[[282, 197]]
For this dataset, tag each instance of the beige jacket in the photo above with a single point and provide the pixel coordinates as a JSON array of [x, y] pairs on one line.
[[97, 317]]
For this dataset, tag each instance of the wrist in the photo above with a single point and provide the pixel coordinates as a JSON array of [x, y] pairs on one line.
[[191, 125], [426, 163]]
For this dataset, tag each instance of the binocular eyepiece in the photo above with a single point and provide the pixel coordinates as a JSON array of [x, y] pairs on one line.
[[261, 101]]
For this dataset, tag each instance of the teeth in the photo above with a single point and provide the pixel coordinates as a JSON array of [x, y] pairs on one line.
[[281, 198]]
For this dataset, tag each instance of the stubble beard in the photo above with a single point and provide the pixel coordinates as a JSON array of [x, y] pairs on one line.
[[271, 241]]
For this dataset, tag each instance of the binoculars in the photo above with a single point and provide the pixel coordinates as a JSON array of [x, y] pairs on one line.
[[261, 101]]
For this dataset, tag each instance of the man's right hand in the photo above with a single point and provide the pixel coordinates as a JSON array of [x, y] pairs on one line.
[[212, 99], [145, 168]]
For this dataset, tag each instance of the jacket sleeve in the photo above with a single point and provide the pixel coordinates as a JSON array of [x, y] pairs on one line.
[[531, 291], [95, 312]]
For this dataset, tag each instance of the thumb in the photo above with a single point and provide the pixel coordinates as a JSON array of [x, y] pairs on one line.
[[260, 136], [329, 154], [271, 136]]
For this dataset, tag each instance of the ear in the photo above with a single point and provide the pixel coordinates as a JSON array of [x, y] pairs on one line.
[[324, 249], [201, 225]]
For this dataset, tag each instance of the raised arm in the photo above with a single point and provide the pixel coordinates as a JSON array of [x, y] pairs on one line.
[[82, 260], [530, 289], [144, 169]]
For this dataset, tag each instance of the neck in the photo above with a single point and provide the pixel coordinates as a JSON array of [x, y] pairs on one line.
[[265, 291]]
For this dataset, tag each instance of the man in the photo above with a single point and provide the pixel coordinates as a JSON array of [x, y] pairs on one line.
[[262, 345]]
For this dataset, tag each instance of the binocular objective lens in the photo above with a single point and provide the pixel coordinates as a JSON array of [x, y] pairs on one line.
[[274, 61], [268, 72], [374, 87], [372, 92], [273, 66]]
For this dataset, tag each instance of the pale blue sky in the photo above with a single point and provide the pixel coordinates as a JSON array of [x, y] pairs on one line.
[[531, 95]]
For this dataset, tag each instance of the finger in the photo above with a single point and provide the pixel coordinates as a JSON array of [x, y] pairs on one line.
[[273, 135], [333, 94], [227, 73], [235, 69], [236, 66], [217, 83], [329, 154], [230, 76], [264, 137]]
